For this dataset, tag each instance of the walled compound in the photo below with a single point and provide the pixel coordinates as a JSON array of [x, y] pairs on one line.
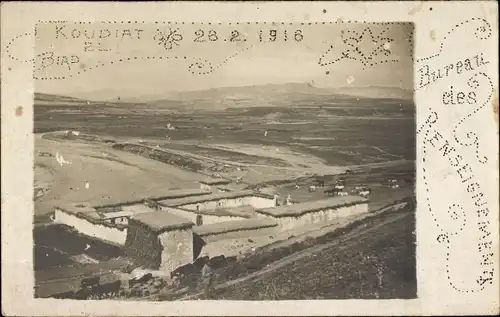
[[168, 232], [313, 212], [109, 222]]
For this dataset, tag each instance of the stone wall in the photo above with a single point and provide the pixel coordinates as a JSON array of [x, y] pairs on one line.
[[177, 249], [259, 202], [320, 216], [143, 246], [233, 243], [207, 219], [100, 231], [255, 201], [239, 234]]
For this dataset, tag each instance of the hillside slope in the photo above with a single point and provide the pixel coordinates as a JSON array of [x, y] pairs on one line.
[[378, 262], [372, 258]]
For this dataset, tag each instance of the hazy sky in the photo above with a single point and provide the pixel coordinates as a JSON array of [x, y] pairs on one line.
[[235, 63]]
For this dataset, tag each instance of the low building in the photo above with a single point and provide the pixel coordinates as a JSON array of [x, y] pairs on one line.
[[232, 237], [105, 223], [168, 232], [312, 212], [160, 241], [180, 193], [122, 215], [109, 222], [170, 194], [88, 221], [221, 200], [211, 216], [210, 184]]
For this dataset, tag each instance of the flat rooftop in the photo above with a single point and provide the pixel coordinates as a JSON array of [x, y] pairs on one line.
[[170, 194], [210, 197], [245, 211], [128, 211], [162, 221], [76, 208], [299, 209], [180, 193], [236, 225]]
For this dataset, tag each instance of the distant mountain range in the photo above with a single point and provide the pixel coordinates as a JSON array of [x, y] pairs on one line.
[[60, 100], [51, 98], [247, 96]]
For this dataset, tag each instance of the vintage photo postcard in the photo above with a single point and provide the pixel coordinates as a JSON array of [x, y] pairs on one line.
[[261, 158]]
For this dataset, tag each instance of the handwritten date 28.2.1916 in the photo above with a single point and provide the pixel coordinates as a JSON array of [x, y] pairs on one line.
[[273, 35]]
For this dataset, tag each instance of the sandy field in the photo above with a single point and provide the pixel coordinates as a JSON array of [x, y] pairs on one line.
[[64, 168]]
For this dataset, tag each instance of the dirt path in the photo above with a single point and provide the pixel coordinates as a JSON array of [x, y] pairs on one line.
[[355, 233]]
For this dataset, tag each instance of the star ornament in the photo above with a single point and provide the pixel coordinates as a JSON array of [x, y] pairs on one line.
[[364, 47]]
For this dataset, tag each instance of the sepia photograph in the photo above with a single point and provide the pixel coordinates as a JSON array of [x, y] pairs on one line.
[[249, 158], [254, 178]]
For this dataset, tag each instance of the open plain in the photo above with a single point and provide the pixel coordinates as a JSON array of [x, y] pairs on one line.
[[253, 144]]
